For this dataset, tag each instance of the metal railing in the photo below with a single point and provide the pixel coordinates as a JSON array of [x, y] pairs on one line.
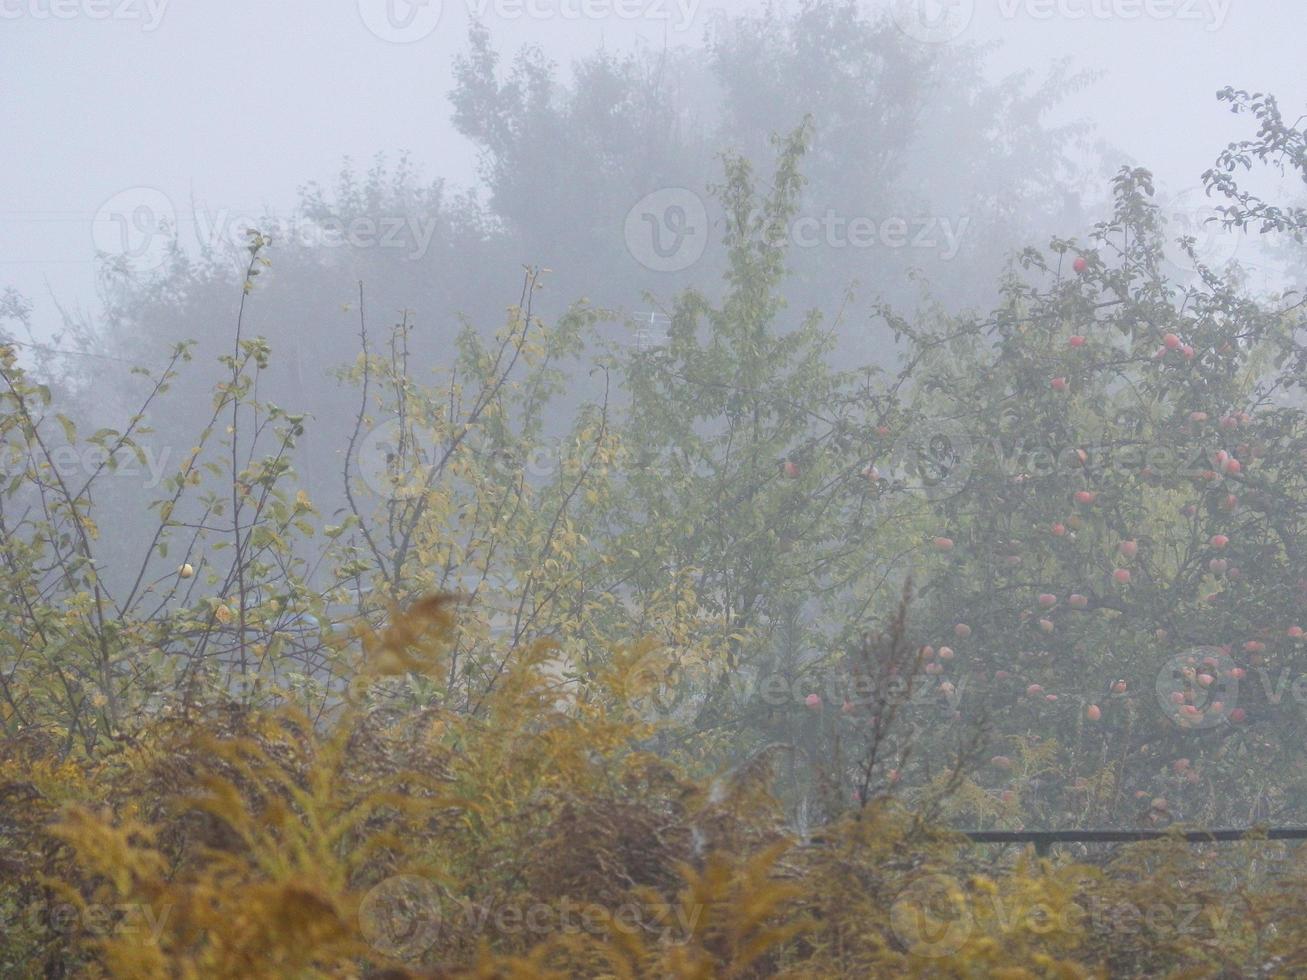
[[1044, 839]]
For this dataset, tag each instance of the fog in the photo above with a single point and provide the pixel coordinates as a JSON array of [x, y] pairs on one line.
[[234, 107], [653, 488]]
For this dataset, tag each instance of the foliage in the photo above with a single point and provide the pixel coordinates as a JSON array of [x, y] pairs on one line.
[[692, 683], [538, 842]]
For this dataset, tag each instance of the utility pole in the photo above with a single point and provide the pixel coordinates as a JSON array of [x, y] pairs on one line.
[[650, 330]]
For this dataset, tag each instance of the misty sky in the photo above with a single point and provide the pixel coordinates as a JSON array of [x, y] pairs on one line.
[[235, 104]]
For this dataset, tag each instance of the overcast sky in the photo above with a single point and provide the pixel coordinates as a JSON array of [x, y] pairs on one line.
[[235, 104]]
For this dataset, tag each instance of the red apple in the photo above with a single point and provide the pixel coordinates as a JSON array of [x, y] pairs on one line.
[[1058, 384], [1047, 600], [943, 544], [1077, 341], [1171, 341], [1080, 265], [1077, 601], [1058, 530], [1085, 496], [1121, 576], [961, 631], [1093, 712], [1218, 541], [791, 469], [1128, 549], [813, 700], [1033, 690], [1237, 715]]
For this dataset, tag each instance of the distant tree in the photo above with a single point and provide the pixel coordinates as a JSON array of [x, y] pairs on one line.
[[938, 168]]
